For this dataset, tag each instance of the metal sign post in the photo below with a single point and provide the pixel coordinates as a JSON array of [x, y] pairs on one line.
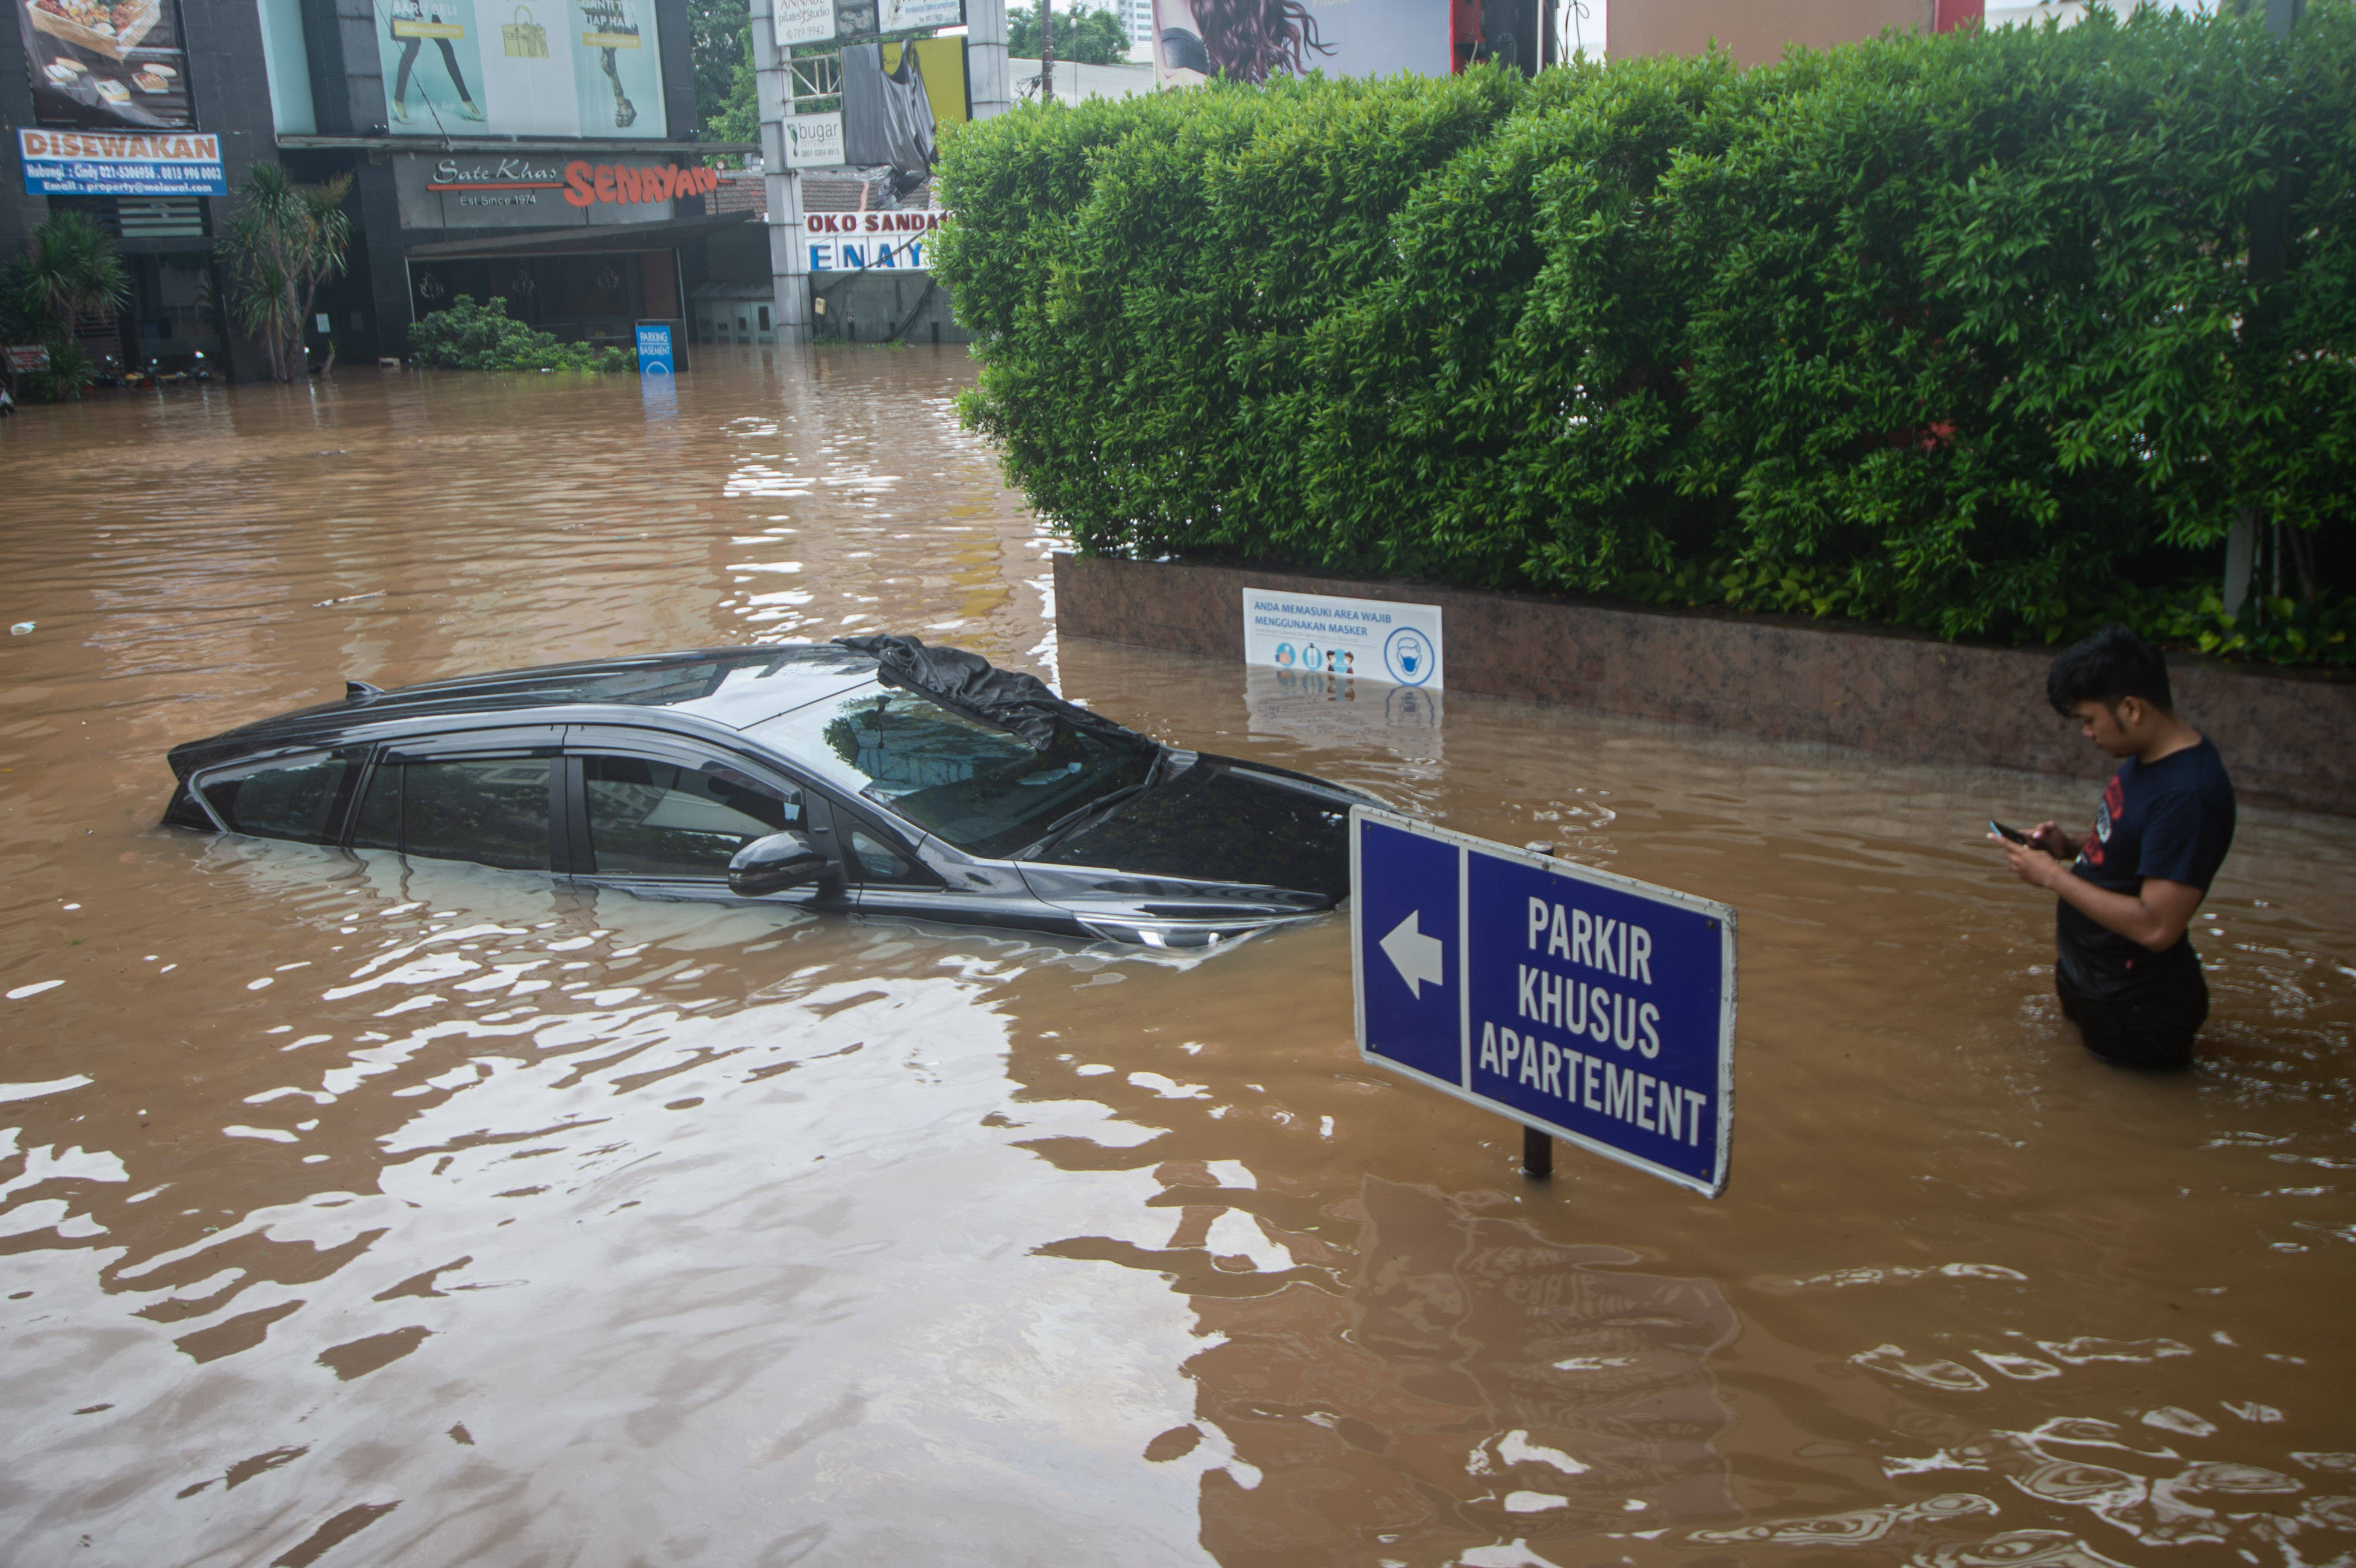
[[1587, 1007]]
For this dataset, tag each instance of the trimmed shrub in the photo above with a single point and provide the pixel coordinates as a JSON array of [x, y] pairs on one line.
[[1951, 332], [470, 336]]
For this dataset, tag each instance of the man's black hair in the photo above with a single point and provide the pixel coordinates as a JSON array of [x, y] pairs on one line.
[[2112, 665]]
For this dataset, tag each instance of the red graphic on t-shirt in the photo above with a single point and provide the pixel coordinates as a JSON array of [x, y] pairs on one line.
[[2115, 800]]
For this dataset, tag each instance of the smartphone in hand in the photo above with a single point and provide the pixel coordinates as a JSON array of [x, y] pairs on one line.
[[2001, 831]]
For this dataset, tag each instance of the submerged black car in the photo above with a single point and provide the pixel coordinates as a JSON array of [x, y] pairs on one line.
[[874, 775]]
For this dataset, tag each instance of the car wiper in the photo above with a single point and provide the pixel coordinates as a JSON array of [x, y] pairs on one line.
[[1103, 803]]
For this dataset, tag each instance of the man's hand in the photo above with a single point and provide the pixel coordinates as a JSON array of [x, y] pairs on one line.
[[2045, 835], [2154, 916], [2031, 863]]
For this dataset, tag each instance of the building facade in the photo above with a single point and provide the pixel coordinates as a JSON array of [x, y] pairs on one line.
[[1757, 35], [545, 154]]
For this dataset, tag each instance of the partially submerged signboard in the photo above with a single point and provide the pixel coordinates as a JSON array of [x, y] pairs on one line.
[[1369, 639], [1591, 1006]]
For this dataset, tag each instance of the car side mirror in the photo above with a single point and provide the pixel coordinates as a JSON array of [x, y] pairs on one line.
[[773, 864]]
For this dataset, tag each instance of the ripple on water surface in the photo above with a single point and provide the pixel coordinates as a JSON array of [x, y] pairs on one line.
[[356, 1210]]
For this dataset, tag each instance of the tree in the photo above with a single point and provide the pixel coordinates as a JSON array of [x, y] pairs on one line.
[[1088, 38], [69, 267], [282, 243], [736, 116], [720, 35]]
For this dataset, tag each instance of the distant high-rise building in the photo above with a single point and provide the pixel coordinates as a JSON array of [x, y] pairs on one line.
[[1137, 19]]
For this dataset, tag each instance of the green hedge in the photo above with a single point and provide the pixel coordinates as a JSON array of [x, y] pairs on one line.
[[1949, 332], [470, 336]]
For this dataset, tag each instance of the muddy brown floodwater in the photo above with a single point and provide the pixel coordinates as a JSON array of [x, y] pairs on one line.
[[355, 1211]]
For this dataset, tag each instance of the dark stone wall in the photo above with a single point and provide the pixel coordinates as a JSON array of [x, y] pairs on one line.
[[2288, 740], [864, 307]]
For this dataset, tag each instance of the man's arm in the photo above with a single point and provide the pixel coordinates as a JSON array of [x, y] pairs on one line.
[[2155, 916]]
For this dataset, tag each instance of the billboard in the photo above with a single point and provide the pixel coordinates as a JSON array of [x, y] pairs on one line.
[[554, 67], [895, 97], [91, 163], [849, 21], [1253, 40], [894, 242], [98, 66]]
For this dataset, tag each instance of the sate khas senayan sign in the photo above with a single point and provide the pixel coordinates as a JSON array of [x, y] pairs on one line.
[[497, 191]]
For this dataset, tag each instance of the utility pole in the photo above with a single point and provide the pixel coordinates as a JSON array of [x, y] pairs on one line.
[[2267, 210], [1046, 52]]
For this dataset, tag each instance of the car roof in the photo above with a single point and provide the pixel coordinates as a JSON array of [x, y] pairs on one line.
[[733, 687]]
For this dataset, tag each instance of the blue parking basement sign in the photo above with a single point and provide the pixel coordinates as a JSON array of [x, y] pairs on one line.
[[1593, 1006]]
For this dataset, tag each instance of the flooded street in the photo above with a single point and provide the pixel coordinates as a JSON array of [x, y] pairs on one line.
[[355, 1211]]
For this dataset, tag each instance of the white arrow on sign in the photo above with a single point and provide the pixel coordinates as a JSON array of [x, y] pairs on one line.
[[1416, 956]]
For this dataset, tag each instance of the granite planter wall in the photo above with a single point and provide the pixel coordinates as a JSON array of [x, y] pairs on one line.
[[2288, 740]]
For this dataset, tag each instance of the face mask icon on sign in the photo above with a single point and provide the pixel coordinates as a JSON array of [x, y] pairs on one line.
[[1410, 656]]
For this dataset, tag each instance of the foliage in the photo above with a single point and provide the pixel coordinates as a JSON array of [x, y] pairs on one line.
[[1085, 36], [720, 37], [282, 241], [68, 268], [1954, 331], [470, 336], [725, 100]]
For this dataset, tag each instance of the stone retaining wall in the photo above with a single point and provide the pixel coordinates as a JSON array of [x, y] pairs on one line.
[[2288, 739]]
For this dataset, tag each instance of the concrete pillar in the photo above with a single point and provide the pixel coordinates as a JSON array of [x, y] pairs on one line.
[[788, 258], [987, 80]]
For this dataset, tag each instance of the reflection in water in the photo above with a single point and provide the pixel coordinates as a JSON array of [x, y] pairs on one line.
[[1338, 710], [361, 1210]]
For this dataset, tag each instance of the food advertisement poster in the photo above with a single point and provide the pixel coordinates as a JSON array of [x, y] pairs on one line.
[[516, 67], [1247, 40], [100, 66]]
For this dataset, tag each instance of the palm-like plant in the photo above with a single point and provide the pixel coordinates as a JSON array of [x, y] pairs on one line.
[[69, 267], [282, 243]]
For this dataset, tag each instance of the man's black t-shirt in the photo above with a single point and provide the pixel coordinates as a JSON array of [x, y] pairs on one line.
[[2172, 819]]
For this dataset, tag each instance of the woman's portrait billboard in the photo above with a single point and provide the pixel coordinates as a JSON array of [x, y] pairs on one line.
[[1254, 40]]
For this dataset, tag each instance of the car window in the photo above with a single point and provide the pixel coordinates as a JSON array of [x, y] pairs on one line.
[[489, 810], [979, 787], [301, 798], [876, 861], [656, 819]]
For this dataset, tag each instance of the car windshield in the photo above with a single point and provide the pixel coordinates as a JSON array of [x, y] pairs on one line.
[[978, 787]]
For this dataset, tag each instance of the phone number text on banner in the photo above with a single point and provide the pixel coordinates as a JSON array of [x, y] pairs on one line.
[[86, 162]]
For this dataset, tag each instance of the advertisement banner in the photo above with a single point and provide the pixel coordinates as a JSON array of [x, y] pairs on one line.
[[541, 67], [854, 21], [91, 163], [1363, 639], [814, 140], [100, 66], [895, 97], [891, 242], [1198, 39]]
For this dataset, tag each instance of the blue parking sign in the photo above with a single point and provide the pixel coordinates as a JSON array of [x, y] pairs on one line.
[[656, 355], [1591, 1006]]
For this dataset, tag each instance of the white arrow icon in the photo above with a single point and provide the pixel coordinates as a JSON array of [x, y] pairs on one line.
[[1416, 956]]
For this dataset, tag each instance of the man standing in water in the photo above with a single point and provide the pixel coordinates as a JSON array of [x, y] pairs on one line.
[[2127, 973]]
